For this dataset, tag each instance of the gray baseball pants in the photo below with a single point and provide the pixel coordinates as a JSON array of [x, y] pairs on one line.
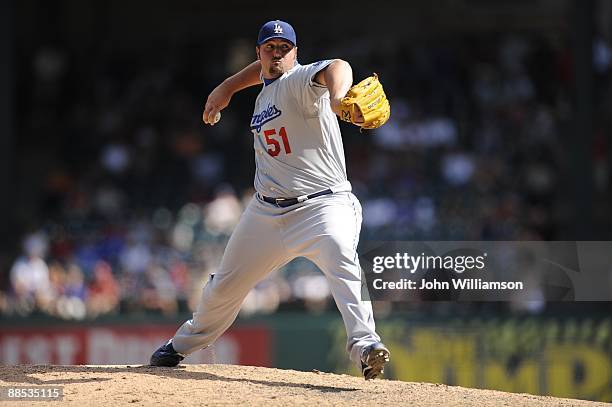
[[324, 230]]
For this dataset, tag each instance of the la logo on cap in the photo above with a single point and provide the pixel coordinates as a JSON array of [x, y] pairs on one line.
[[278, 29]]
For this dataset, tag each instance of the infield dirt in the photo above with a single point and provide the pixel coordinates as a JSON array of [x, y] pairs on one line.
[[210, 385]]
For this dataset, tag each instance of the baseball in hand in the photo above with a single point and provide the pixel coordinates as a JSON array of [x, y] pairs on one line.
[[217, 118]]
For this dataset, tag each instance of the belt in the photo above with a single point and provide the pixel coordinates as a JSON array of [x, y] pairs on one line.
[[285, 202]]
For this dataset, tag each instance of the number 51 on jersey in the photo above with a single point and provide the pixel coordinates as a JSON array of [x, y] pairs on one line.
[[274, 147]]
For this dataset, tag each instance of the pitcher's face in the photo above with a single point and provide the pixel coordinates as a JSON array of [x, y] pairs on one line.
[[277, 56]]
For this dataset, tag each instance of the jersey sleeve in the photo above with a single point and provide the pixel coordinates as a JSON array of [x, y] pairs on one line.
[[305, 89]]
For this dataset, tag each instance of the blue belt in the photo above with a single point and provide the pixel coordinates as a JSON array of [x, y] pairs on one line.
[[285, 202]]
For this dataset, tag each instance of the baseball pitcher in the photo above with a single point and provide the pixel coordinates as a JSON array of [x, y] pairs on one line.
[[303, 206]]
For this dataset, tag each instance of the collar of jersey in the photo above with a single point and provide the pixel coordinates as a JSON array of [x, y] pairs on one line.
[[270, 81]]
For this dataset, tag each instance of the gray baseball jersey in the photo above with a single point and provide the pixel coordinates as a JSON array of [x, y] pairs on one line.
[[297, 140]]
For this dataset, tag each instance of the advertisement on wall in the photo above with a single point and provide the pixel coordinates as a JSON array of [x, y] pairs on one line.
[[117, 344]]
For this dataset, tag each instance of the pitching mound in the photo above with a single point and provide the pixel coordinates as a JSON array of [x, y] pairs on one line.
[[245, 385]]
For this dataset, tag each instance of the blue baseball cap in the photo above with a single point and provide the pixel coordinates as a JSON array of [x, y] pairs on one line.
[[276, 29]]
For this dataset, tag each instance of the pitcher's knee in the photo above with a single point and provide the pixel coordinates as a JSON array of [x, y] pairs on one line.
[[226, 289]]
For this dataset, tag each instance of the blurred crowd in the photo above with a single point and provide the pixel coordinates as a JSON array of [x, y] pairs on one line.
[[136, 199]]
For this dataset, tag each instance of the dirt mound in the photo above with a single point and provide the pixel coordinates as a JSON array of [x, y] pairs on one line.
[[246, 385]]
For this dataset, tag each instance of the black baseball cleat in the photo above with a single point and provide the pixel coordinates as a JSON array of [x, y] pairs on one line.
[[373, 359], [166, 356]]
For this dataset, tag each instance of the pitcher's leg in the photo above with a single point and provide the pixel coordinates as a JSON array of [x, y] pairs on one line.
[[330, 241], [344, 277], [252, 252]]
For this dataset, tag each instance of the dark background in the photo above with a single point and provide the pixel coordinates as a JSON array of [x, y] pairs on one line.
[[500, 130]]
